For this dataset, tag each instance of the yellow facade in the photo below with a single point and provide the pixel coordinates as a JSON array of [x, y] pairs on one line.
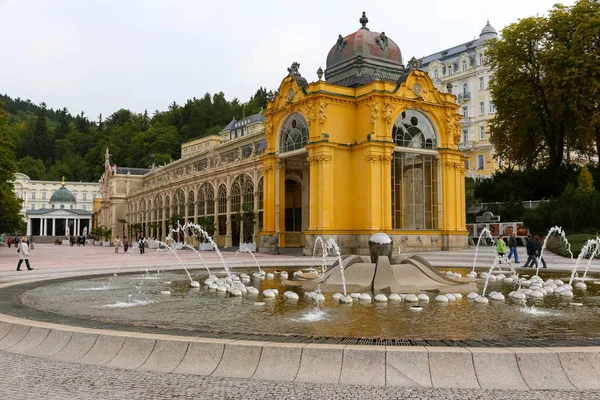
[[349, 153]]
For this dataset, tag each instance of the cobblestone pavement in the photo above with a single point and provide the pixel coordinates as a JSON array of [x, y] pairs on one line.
[[23, 377]]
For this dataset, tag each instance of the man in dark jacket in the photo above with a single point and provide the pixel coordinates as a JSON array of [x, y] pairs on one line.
[[512, 245], [532, 252]]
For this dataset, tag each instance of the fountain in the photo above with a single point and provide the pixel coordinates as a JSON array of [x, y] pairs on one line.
[[359, 274], [551, 231], [484, 231]]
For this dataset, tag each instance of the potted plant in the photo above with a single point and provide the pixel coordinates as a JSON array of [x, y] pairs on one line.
[[246, 218], [208, 225], [107, 234]]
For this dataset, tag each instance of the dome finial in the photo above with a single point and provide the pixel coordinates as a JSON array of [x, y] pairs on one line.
[[364, 20], [63, 181]]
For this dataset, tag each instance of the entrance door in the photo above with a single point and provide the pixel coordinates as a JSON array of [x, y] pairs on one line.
[[293, 206], [235, 231]]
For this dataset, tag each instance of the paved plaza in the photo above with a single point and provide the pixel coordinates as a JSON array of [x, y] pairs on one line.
[[25, 372]]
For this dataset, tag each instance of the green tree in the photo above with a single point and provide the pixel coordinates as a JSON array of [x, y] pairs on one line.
[[32, 167], [585, 180], [545, 85], [10, 206], [40, 142]]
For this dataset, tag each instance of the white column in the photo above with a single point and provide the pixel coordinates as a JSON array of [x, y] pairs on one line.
[[78, 231], [53, 226], [28, 226]]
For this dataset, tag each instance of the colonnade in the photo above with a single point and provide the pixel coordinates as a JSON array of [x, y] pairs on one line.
[[53, 226]]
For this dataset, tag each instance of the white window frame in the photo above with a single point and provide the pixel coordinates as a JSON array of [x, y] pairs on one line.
[[481, 132], [480, 161], [467, 165], [464, 65], [465, 110], [481, 108], [465, 136], [492, 108], [481, 83]]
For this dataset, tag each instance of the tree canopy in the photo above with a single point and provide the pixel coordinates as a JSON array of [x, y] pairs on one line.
[[546, 86], [49, 144], [10, 205]]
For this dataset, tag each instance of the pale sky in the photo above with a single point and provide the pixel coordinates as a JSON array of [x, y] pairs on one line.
[[98, 56]]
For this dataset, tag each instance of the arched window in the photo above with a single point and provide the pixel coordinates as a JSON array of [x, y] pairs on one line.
[[466, 90], [436, 73], [294, 133], [159, 207], [248, 194], [236, 192], [415, 173], [191, 205], [222, 199], [413, 129], [464, 65], [179, 203], [480, 58], [167, 213]]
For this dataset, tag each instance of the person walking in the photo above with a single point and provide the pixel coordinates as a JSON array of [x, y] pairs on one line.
[[23, 251], [9, 242], [512, 245], [125, 244], [31, 242], [141, 243], [501, 249], [538, 242], [531, 253], [117, 244]]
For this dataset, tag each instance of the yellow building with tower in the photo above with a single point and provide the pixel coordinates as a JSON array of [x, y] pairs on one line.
[[373, 147]]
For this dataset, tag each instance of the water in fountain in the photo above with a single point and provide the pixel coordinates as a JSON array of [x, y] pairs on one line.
[[594, 254], [187, 246], [484, 231], [551, 231], [331, 244], [585, 250], [247, 250], [211, 241], [319, 239]]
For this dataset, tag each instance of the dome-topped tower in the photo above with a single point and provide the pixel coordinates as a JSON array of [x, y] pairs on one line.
[[62, 195], [488, 32], [362, 57]]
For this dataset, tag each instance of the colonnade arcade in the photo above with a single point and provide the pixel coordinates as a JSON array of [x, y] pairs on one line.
[[221, 207]]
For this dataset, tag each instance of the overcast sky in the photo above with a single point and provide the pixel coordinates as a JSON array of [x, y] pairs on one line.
[[98, 56]]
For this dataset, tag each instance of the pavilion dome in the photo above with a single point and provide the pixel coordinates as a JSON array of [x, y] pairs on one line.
[[362, 57], [62, 195], [488, 32]]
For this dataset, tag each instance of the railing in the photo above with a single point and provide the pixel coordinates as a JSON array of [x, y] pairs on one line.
[[477, 208], [465, 145], [464, 96]]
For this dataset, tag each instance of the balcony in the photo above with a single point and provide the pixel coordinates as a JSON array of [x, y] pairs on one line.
[[465, 145], [464, 96], [467, 120]]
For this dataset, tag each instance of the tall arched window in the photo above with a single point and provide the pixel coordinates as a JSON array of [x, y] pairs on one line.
[[260, 190], [236, 194], [191, 206], [179, 203], [248, 194], [464, 65], [436, 73], [415, 173], [294, 133], [222, 199]]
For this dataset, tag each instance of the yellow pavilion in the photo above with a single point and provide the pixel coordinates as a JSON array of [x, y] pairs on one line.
[[371, 148]]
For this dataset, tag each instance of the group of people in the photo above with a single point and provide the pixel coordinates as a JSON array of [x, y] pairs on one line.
[[80, 240], [16, 240], [125, 242], [534, 250]]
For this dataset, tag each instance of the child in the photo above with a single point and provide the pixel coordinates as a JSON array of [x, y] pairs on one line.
[[117, 243]]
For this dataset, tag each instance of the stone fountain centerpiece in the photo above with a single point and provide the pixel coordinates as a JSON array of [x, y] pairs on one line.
[[381, 272]]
